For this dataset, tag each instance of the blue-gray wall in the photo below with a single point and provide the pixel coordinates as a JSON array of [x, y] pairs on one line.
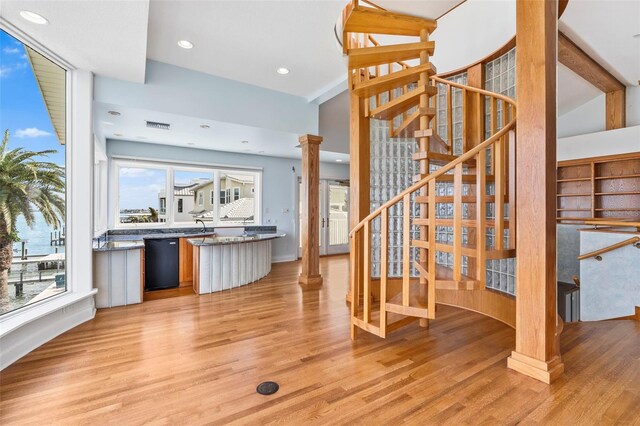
[[177, 90], [278, 181]]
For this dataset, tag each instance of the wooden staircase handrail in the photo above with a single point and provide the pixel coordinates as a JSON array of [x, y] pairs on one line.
[[450, 166], [595, 253]]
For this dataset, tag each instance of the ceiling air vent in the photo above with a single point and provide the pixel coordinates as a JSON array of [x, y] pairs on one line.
[[156, 125]]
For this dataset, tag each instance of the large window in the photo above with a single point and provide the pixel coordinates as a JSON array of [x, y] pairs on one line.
[[160, 194], [142, 195], [33, 118]]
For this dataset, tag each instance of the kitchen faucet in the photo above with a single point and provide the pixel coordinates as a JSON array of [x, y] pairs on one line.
[[204, 228]]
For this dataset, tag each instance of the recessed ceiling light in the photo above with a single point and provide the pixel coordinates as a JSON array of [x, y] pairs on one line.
[[282, 71], [338, 160], [260, 152], [33, 17], [185, 44], [116, 113], [205, 126], [244, 141], [117, 134], [190, 143]]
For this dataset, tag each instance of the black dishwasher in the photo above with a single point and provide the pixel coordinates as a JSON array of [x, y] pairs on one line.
[[161, 263]]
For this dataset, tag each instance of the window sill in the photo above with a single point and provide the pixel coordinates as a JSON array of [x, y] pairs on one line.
[[16, 319]]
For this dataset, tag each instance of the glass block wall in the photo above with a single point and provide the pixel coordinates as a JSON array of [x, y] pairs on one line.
[[456, 105], [392, 170], [500, 77]]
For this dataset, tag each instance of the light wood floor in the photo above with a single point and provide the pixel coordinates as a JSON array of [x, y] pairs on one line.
[[194, 360]]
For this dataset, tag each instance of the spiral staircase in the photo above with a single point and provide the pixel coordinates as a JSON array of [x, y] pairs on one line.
[[465, 189]]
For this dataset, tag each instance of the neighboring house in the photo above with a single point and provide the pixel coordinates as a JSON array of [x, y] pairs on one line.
[[235, 197], [183, 203]]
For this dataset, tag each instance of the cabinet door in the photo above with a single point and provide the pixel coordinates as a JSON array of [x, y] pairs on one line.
[[186, 263], [118, 281], [133, 277]]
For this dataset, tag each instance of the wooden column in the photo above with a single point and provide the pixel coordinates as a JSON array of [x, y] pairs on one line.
[[359, 173], [536, 353], [310, 210]]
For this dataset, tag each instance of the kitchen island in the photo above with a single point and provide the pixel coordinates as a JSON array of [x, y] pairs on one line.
[[225, 262]]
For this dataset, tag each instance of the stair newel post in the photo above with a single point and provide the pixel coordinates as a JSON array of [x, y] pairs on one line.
[[511, 136], [499, 187], [457, 223], [406, 248], [431, 294], [465, 121], [384, 253], [481, 218], [423, 143], [366, 293]]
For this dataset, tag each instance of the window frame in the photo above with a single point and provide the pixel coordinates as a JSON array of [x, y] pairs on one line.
[[236, 188], [79, 161], [216, 170]]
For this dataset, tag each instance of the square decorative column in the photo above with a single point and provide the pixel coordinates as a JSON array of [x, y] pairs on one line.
[[537, 353], [310, 210]]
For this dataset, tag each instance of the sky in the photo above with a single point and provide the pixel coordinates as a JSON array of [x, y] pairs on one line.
[[22, 109]]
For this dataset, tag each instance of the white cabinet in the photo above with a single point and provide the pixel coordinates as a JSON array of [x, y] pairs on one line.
[[118, 277]]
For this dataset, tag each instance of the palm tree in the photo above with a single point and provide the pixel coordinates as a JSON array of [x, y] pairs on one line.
[[25, 183]]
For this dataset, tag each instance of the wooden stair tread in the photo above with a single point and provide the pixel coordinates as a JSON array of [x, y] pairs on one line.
[[467, 250], [417, 305], [408, 128], [449, 178], [469, 199], [391, 81], [438, 157], [378, 55], [468, 223], [402, 103], [375, 21]]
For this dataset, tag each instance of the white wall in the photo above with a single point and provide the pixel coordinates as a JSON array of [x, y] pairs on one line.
[[279, 182], [610, 142], [633, 106], [587, 118], [189, 93]]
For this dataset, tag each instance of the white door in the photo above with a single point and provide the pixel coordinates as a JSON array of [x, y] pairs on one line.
[[334, 217]]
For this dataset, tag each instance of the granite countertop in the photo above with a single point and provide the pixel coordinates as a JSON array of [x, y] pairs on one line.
[[133, 239], [134, 242], [215, 241]]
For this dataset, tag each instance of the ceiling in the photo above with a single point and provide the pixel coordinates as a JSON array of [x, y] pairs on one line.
[[248, 40], [186, 132], [106, 37]]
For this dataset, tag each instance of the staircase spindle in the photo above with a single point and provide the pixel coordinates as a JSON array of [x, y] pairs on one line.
[[457, 223], [354, 247], [499, 194], [481, 218], [406, 248], [431, 290], [465, 121], [450, 118], [384, 253], [366, 293], [511, 137]]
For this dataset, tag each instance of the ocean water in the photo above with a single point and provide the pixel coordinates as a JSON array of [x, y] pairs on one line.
[[37, 239]]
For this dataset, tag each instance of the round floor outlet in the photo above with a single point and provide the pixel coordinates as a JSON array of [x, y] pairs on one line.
[[267, 388]]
